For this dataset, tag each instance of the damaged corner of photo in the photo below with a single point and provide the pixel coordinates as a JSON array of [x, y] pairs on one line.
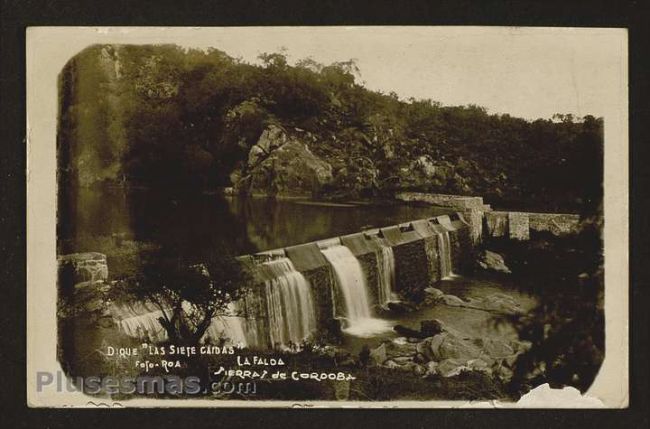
[[368, 216]]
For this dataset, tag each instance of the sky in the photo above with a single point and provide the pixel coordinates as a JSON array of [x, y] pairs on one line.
[[528, 73], [525, 72]]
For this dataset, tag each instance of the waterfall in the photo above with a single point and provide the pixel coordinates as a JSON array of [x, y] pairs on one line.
[[292, 316], [444, 250], [142, 322], [351, 282], [231, 328], [144, 326], [386, 269]]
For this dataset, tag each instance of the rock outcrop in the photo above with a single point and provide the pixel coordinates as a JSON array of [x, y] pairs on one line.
[[424, 172], [497, 303], [281, 165], [492, 261], [450, 352], [92, 116]]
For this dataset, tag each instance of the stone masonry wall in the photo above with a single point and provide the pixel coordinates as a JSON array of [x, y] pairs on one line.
[[443, 200], [431, 250], [323, 286], [463, 250], [369, 266], [417, 266], [518, 225], [411, 275], [481, 218], [472, 208], [455, 251]]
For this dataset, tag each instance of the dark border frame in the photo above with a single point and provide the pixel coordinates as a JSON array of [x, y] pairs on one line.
[[16, 15]]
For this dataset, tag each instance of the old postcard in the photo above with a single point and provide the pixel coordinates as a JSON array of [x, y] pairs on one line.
[[327, 217]]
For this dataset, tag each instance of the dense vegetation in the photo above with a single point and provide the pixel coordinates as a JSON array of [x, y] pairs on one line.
[[567, 329], [163, 115]]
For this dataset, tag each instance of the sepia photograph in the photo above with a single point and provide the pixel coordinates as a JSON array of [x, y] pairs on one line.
[[371, 216]]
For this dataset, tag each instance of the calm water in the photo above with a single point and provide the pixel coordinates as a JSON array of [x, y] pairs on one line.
[[199, 223]]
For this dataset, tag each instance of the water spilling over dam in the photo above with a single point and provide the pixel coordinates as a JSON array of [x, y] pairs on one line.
[[350, 280], [300, 290], [386, 268], [290, 304], [232, 328], [142, 321], [352, 284], [444, 244]]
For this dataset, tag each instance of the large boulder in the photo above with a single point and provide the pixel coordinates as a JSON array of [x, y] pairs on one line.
[[492, 261], [378, 355], [407, 332], [495, 348], [272, 138], [429, 328], [497, 302], [400, 307], [448, 346], [454, 352], [433, 293], [450, 352], [279, 165], [399, 347], [424, 172], [453, 301]]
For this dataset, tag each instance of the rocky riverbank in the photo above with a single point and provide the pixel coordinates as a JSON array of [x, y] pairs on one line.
[[447, 352]]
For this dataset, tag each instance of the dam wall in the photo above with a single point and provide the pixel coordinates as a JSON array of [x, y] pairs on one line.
[[310, 290], [485, 222], [472, 208], [397, 262], [519, 225]]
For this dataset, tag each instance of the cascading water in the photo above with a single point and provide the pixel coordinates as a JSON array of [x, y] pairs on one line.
[[386, 269], [231, 328], [143, 323], [444, 249], [351, 282], [144, 326], [292, 317]]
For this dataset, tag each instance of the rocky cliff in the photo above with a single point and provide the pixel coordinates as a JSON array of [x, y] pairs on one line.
[[92, 137], [283, 166]]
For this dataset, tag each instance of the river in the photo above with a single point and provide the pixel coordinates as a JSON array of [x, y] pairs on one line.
[[200, 222]]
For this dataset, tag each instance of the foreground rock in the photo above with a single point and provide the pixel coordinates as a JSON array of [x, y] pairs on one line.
[[492, 261], [428, 328], [400, 307], [498, 302], [449, 353]]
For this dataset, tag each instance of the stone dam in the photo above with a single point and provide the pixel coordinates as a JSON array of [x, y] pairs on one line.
[[341, 284], [309, 290]]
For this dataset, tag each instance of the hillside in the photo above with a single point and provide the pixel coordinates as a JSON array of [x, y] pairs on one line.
[[163, 116]]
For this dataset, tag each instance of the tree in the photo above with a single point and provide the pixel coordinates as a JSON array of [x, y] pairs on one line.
[[186, 120], [189, 295]]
